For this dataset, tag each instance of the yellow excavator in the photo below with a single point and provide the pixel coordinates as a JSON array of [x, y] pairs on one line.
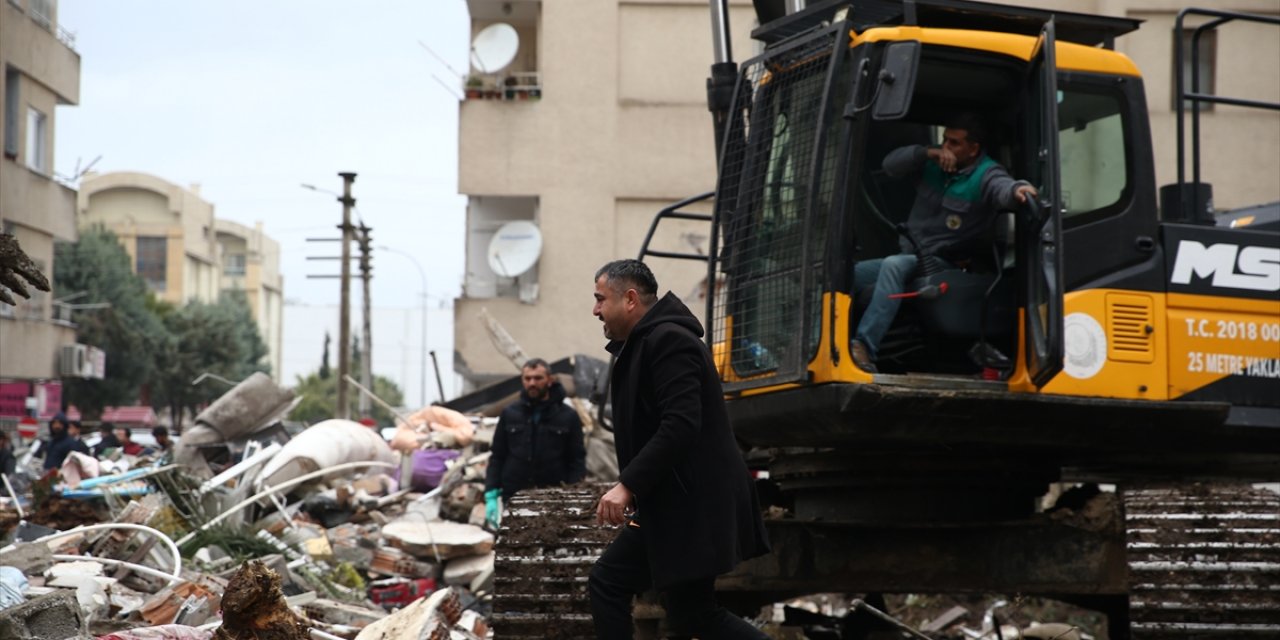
[[1110, 332]]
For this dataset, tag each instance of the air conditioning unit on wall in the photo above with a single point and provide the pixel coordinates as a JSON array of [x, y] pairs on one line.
[[72, 360]]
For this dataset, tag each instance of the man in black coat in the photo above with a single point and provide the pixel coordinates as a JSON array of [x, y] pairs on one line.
[[538, 441], [685, 497], [61, 442]]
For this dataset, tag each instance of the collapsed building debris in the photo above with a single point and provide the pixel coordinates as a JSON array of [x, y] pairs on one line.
[[246, 531]]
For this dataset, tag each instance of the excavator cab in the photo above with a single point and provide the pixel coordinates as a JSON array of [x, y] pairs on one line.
[[802, 198]]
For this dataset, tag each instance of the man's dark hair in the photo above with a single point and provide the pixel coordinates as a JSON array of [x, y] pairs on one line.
[[534, 363], [975, 130], [631, 274], [160, 431]]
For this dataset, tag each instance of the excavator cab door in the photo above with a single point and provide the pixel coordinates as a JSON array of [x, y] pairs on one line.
[[1040, 226]]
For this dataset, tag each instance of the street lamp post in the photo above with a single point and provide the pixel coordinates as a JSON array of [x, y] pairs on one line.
[[423, 273]]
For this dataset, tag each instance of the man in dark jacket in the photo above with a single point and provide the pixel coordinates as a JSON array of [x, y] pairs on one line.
[[685, 497], [959, 188], [538, 441], [60, 443]]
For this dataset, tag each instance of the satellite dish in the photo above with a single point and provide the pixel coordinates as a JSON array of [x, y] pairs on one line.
[[515, 248], [494, 47]]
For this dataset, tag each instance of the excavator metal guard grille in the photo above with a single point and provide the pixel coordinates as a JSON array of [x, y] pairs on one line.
[[774, 197]]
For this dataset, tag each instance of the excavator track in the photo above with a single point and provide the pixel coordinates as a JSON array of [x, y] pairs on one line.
[[548, 545], [1204, 561]]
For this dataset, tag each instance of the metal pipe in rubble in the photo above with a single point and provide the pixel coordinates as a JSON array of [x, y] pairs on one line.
[[281, 487], [173, 548], [132, 566], [18, 505], [724, 72]]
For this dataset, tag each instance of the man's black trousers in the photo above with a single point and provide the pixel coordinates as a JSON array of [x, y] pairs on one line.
[[623, 572]]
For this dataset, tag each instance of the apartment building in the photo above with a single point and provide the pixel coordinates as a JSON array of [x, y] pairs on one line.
[[182, 251], [600, 120], [41, 73], [251, 265], [168, 231]]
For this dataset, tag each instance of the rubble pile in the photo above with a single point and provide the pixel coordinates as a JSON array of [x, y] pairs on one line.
[[244, 530]]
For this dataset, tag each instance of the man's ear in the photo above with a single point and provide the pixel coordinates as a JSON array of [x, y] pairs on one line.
[[631, 297]]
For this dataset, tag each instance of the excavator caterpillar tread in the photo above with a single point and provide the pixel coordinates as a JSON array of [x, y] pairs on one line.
[[548, 544], [1204, 561]]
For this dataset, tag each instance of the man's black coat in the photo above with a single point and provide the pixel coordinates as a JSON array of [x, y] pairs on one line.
[[695, 501], [536, 444]]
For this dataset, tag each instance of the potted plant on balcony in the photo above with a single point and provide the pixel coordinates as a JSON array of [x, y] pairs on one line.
[[474, 87]]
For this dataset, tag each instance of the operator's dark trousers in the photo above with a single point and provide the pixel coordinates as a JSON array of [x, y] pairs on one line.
[[623, 572]]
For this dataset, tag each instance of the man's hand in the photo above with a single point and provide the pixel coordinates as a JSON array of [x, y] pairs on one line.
[[945, 159], [615, 505], [1023, 191]]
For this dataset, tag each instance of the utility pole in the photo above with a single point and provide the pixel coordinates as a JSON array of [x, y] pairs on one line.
[[344, 311], [366, 362]]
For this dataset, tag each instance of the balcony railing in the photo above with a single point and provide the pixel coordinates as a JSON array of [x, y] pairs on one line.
[[41, 12], [517, 85]]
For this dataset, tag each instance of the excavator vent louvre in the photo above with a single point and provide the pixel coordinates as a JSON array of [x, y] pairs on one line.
[[1130, 328]]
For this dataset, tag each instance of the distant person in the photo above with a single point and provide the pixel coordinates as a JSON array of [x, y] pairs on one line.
[[163, 443], [8, 463], [74, 431], [60, 442], [127, 445], [538, 442], [108, 441]]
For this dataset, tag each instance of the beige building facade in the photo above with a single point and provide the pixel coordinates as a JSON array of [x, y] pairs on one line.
[[41, 73], [251, 265], [617, 128], [182, 251], [167, 230]]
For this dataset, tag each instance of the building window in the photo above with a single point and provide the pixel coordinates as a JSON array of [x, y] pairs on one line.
[[1206, 62], [37, 140], [153, 261], [12, 111], [233, 264]]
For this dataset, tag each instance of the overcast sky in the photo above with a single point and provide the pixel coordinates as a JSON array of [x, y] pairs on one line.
[[253, 99]]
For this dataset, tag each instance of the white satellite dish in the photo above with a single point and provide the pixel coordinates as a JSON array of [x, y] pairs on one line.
[[515, 248], [494, 47]]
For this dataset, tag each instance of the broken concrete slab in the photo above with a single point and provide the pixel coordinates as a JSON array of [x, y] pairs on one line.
[[441, 539], [55, 616], [462, 571], [28, 558], [428, 618], [342, 613]]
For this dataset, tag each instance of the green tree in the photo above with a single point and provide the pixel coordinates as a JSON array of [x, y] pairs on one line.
[[220, 338], [320, 399], [127, 331]]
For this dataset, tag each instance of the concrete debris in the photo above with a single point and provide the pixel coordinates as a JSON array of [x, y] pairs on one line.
[[438, 540], [251, 530], [55, 616]]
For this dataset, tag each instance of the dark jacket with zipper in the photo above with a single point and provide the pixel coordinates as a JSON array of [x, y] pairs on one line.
[[695, 500], [952, 213], [536, 444]]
